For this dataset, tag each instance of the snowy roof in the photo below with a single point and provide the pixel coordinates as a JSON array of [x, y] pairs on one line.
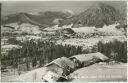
[[62, 62], [86, 57], [99, 55], [82, 57]]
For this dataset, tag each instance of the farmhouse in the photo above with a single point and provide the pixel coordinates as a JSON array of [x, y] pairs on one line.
[[61, 67]]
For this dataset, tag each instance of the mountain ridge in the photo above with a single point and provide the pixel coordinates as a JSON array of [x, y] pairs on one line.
[[44, 18], [97, 15]]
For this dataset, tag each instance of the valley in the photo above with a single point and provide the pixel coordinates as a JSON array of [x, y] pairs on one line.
[[29, 42]]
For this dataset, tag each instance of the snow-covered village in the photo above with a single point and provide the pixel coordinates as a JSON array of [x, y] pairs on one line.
[[63, 41]]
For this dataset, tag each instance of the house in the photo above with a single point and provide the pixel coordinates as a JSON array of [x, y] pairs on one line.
[[65, 31], [88, 59], [61, 66]]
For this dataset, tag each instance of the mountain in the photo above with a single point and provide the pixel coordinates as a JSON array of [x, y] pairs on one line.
[[43, 19], [98, 15]]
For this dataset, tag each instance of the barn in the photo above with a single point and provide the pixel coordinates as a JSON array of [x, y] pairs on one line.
[[88, 59]]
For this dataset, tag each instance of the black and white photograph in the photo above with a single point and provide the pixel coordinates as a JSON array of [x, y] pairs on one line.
[[63, 41]]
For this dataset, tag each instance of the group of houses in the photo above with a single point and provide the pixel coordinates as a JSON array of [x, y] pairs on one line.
[[59, 69]]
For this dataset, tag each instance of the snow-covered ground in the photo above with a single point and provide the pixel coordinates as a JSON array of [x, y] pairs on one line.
[[91, 73], [96, 72], [100, 73], [90, 41], [56, 27], [85, 43], [25, 27], [106, 30], [15, 25], [30, 76], [84, 29], [10, 46], [28, 37], [10, 74]]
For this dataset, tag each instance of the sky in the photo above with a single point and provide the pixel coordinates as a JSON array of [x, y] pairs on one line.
[[12, 7]]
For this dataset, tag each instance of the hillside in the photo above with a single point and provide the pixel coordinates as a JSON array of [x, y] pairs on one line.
[[97, 15], [19, 18]]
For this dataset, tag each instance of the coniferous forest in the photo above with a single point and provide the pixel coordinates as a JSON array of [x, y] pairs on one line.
[[41, 52]]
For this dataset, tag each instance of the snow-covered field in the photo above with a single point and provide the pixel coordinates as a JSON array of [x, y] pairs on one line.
[[105, 31], [101, 73], [27, 37], [56, 27], [87, 39], [30, 76], [90, 41], [10, 74], [84, 29], [96, 72]]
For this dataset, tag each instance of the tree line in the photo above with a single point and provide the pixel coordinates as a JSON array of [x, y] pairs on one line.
[[42, 52]]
